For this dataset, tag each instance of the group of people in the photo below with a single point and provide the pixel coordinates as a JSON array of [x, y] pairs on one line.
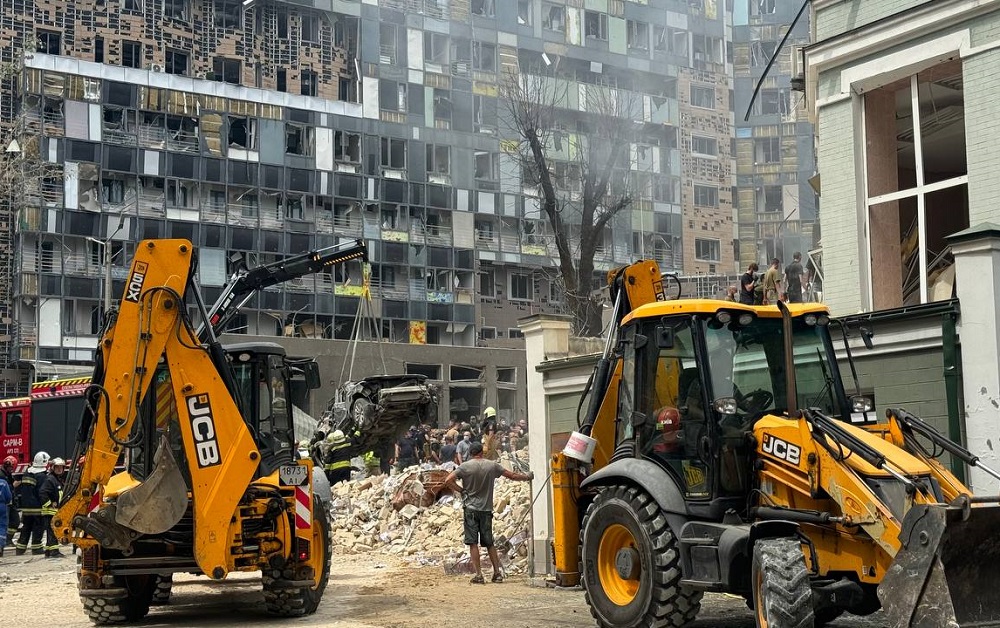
[[421, 444], [28, 502], [773, 285]]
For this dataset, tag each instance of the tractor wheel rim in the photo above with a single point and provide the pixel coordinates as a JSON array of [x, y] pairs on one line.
[[761, 607], [620, 591], [318, 551]]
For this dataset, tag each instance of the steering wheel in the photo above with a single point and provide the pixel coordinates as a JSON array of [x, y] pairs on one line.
[[755, 401]]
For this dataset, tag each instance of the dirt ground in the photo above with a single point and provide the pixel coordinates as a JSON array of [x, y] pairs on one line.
[[364, 592]]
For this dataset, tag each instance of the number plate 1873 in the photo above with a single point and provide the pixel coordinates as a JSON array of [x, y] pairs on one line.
[[293, 475]]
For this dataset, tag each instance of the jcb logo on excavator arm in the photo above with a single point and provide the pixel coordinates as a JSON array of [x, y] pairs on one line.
[[134, 289], [780, 449], [203, 429]]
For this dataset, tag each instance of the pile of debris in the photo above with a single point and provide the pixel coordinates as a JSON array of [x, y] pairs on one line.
[[410, 515]]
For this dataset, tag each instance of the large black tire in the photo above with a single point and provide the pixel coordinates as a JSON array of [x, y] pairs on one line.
[[283, 601], [121, 610], [631, 564], [825, 615], [161, 591], [781, 589]]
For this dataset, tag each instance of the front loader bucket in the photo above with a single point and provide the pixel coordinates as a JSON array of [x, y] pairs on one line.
[[157, 504], [947, 569]]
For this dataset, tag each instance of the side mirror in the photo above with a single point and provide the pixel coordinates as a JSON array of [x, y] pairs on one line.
[[311, 372]]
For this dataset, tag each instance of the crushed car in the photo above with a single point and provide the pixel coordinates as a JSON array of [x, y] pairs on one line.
[[380, 408]]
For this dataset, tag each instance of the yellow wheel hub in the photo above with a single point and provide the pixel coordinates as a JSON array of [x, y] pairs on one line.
[[618, 565], [759, 602]]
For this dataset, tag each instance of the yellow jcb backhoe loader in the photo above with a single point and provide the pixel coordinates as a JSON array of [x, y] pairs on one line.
[[728, 457], [186, 459]]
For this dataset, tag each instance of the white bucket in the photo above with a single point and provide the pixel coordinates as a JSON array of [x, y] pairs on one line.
[[580, 447]]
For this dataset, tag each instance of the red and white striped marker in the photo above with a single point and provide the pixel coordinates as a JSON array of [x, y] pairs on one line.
[[303, 508]]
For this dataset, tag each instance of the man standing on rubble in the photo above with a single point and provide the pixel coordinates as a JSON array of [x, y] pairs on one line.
[[478, 476]]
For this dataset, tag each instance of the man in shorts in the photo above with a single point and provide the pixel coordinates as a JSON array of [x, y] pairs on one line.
[[478, 476]]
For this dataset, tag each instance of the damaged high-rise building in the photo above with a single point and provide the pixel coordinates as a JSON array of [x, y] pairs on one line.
[[263, 128]]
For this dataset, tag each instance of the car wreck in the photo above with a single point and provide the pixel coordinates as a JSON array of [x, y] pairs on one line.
[[380, 408]]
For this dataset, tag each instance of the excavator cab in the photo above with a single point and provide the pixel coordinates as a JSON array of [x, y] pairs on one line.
[[692, 387]]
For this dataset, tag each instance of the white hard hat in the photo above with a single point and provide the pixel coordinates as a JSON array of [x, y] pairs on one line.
[[58, 462], [41, 459], [337, 437], [490, 411]]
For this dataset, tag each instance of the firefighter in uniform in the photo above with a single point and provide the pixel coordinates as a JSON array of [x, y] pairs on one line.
[[50, 494], [13, 518], [337, 463], [32, 524]]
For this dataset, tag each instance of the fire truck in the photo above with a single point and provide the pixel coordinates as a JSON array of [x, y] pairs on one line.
[[46, 420]]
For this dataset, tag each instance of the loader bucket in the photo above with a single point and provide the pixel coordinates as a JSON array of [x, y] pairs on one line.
[[157, 504], [947, 569]]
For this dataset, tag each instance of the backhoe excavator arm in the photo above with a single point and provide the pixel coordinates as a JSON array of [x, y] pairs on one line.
[[245, 283], [219, 449]]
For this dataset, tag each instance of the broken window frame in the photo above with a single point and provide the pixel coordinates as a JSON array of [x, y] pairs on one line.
[[392, 153], [483, 8], [225, 70], [250, 132], [525, 12], [521, 286], [309, 83], [919, 189], [763, 7], [553, 17], [767, 150], [484, 56], [438, 159], [704, 195], [770, 199], [176, 10], [387, 43], [703, 96], [227, 14], [708, 249], [595, 25], [309, 27], [437, 48], [347, 147], [131, 55], [298, 140], [486, 166], [704, 146], [637, 35], [173, 58], [48, 42]]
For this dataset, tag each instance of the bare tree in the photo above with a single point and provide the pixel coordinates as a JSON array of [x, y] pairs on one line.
[[579, 159]]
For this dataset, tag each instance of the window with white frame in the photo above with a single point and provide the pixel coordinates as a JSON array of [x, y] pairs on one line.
[[436, 48], [521, 287], [706, 195], [706, 250], [484, 56], [524, 12], [917, 184], [704, 146], [703, 96], [762, 7]]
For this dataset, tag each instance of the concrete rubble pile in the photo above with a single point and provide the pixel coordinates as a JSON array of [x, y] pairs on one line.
[[403, 515]]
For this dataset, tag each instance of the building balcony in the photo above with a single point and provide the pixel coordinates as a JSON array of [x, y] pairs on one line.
[[347, 226], [151, 205], [437, 235], [487, 241]]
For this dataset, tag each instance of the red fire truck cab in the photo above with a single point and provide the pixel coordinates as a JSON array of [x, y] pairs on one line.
[[45, 421]]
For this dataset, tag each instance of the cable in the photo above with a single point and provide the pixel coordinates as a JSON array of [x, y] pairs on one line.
[[781, 44]]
